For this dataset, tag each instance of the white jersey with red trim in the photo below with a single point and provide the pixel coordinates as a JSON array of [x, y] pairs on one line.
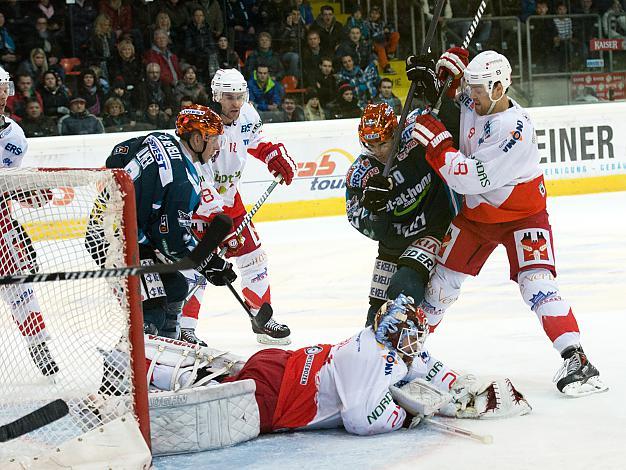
[[242, 138], [326, 386], [497, 165], [13, 144]]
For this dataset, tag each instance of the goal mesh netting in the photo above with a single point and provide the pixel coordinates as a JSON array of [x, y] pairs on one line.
[[68, 339]]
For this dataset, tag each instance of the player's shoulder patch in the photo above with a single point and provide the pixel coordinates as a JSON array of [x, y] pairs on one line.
[[360, 172]]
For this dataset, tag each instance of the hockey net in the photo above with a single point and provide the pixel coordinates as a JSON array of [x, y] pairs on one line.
[[79, 340]]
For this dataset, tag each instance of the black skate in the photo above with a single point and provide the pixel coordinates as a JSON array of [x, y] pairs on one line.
[[42, 358], [188, 335], [577, 377], [271, 332]]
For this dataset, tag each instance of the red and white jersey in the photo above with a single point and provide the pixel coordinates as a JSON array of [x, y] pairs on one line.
[[326, 386], [13, 144], [497, 165], [242, 138]]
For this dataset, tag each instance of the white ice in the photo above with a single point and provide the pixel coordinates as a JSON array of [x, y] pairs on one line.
[[320, 273]]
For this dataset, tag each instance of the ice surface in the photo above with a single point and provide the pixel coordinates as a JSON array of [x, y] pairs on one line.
[[320, 272]]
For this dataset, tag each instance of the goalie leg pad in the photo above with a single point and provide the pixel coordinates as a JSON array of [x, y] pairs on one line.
[[203, 418]]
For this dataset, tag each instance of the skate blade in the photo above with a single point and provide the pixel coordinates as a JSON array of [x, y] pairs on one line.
[[266, 339], [591, 386]]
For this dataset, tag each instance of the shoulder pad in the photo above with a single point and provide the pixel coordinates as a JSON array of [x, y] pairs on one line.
[[359, 172]]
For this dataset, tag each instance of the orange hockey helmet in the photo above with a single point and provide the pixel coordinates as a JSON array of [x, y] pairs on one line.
[[378, 123], [198, 118]]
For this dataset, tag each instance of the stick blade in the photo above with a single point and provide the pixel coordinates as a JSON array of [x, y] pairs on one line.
[[43, 416]]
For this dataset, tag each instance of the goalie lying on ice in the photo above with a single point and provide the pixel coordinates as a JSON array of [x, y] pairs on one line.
[[380, 380]]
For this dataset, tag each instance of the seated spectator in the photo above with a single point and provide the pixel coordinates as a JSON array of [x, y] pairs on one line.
[[35, 66], [24, 89], [81, 17], [79, 121], [8, 57], [55, 99], [184, 102], [163, 22], [329, 29], [177, 13], [126, 64], [323, 81], [199, 43], [161, 54], [290, 111], [544, 38], [385, 95], [54, 17], [123, 92], [291, 36], [614, 21], [311, 55], [356, 21], [90, 90], [120, 14], [264, 53], [345, 105], [265, 93], [305, 11], [101, 44], [357, 48], [212, 12], [240, 28], [153, 90], [313, 110], [189, 86], [385, 39], [115, 118], [35, 124], [224, 58], [153, 118], [42, 38], [363, 82]]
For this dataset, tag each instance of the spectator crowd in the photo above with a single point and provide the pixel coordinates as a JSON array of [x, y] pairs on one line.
[[94, 66]]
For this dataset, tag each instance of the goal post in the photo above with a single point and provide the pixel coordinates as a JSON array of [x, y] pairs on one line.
[[81, 340]]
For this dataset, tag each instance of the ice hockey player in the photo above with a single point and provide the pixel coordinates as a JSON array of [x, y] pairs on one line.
[[18, 253], [167, 191], [243, 136], [496, 168], [407, 213], [380, 380]]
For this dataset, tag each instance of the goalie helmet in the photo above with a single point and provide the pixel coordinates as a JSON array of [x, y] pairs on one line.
[[228, 81], [5, 79], [402, 326], [378, 124], [488, 68], [198, 118]]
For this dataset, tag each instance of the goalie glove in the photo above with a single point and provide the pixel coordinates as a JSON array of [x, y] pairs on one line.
[[376, 193], [474, 398], [419, 398]]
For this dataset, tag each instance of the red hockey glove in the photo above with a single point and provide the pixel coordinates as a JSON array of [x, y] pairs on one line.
[[452, 63], [279, 162], [431, 134]]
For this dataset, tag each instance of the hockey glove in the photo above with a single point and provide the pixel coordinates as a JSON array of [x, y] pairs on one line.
[[421, 70], [218, 271], [452, 63], [280, 163], [431, 134], [376, 193]]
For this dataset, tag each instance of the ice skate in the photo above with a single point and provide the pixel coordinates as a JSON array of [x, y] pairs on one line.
[[42, 358], [188, 335], [271, 332], [577, 377]]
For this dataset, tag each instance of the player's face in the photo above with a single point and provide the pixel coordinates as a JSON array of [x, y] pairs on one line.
[[231, 105], [480, 96], [380, 150], [212, 147]]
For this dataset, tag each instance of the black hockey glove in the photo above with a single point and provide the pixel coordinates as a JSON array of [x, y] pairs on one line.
[[376, 193], [218, 271], [421, 69]]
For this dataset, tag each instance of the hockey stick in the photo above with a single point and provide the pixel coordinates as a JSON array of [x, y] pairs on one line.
[[484, 438], [466, 41], [264, 314], [47, 414], [432, 28], [197, 259]]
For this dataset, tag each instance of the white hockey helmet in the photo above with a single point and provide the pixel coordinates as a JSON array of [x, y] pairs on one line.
[[228, 81], [488, 68], [5, 78]]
